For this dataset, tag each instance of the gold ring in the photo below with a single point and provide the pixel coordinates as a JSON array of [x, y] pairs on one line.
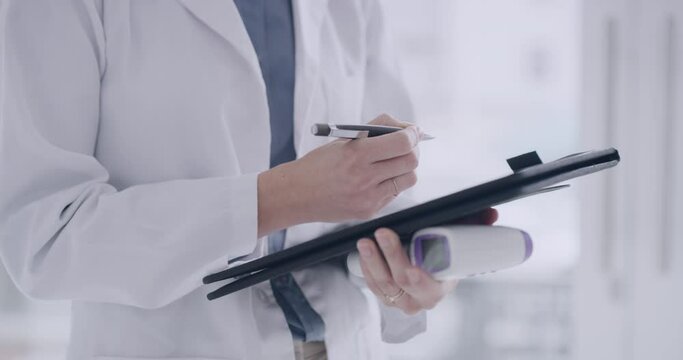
[[393, 180], [391, 300]]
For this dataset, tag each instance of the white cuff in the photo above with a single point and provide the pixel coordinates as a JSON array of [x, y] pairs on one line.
[[397, 327]]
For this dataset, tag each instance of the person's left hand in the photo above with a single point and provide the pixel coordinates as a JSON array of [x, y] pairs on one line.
[[395, 281]]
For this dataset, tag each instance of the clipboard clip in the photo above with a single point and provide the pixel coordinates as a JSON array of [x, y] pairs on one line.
[[521, 162]]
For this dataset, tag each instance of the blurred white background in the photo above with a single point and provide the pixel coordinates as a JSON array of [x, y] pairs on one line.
[[494, 79]]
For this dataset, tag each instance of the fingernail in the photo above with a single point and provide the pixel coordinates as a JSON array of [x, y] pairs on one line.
[[386, 240], [382, 241], [383, 232], [413, 276], [364, 251]]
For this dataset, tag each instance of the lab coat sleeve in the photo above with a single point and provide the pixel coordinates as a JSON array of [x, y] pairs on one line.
[[385, 92], [65, 232]]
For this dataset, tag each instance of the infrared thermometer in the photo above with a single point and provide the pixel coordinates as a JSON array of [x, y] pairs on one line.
[[460, 251]]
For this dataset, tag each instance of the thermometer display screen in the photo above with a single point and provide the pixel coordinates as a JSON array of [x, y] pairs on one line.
[[432, 253]]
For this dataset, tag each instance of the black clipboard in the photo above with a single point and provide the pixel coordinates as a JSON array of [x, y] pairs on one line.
[[530, 177]]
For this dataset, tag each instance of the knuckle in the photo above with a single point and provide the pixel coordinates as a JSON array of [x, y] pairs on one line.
[[416, 151], [361, 176], [360, 180], [367, 180], [378, 293], [402, 281], [350, 153], [411, 310], [384, 282], [347, 167], [412, 179], [412, 161], [385, 118], [405, 141]]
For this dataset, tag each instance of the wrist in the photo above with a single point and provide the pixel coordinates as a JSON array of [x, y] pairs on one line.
[[281, 201]]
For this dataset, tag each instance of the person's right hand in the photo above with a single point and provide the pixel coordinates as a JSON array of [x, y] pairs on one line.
[[340, 181]]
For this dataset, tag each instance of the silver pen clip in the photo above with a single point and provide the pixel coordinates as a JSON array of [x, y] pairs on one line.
[[348, 134]]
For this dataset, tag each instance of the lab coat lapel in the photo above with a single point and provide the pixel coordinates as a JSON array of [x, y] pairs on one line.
[[308, 20], [223, 17]]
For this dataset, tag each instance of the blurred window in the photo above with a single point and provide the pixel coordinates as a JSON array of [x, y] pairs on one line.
[[494, 79]]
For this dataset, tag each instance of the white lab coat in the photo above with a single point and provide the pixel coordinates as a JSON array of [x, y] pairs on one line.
[[131, 136]]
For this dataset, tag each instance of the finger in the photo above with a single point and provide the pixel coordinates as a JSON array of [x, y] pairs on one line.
[[406, 303], [388, 120], [486, 217], [395, 255], [423, 288], [387, 169], [369, 280], [388, 146], [376, 267], [491, 216], [394, 186]]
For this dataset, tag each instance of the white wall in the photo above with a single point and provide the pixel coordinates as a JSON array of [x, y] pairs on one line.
[[630, 279]]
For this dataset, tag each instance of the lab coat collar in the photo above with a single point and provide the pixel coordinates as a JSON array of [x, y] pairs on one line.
[[223, 17]]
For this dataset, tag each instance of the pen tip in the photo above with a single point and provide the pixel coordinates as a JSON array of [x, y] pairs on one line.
[[424, 137]]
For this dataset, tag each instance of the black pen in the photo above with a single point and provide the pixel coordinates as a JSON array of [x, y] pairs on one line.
[[357, 131]]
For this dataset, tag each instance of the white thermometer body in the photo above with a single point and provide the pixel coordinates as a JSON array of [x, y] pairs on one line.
[[460, 251]]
